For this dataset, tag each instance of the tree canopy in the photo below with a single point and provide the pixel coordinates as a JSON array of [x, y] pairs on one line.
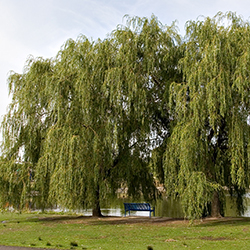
[[209, 147], [143, 103], [82, 120]]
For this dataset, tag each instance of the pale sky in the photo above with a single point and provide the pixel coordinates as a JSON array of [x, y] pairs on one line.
[[39, 28]]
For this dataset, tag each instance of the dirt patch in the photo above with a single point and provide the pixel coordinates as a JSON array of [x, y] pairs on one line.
[[170, 240], [214, 238]]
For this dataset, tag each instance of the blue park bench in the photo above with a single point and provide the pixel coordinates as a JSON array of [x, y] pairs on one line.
[[138, 207]]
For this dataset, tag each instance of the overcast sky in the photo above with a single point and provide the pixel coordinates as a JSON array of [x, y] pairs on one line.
[[40, 27]]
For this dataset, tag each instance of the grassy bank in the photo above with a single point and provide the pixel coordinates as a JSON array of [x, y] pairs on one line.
[[77, 232]]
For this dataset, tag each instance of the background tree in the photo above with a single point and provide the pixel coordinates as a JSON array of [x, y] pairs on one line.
[[208, 150]]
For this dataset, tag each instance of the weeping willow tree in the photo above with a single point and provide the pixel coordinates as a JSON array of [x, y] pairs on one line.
[[109, 113], [208, 151], [24, 128], [80, 125]]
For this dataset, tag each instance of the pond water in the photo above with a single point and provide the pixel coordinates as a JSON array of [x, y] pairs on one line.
[[163, 208]]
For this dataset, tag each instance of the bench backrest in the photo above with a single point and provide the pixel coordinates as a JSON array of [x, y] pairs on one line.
[[137, 206]]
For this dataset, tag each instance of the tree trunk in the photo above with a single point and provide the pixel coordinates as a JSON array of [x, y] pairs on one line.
[[96, 211], [215, 206]]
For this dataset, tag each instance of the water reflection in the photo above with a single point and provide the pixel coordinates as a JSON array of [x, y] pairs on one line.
[[166, 207], [163, 208], [169, 208], [230, 207]]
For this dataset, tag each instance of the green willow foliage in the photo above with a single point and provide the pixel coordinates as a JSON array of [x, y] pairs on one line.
[[209, 148], [82, 122], [108, 113]]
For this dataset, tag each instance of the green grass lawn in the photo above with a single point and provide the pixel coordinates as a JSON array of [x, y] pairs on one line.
[[77, 232]]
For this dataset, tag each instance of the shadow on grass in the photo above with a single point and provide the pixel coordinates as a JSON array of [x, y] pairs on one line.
[[236, 221], [113, 220]]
